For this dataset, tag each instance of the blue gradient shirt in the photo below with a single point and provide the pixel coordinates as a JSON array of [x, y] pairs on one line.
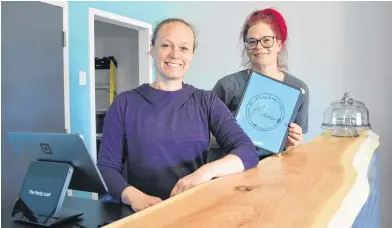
[[167, 134]]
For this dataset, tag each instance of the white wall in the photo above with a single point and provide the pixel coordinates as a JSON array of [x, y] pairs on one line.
[[122, 43], [335, 47], [368, 70]]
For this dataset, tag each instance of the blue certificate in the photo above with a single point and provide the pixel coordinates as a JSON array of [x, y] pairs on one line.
[[266, 109]]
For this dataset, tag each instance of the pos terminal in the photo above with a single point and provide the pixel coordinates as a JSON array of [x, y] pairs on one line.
[[58, 162]]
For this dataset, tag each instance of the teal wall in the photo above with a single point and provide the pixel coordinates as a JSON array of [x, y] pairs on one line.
[[149, 12]]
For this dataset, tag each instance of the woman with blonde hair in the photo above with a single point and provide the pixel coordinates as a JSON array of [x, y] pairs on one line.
[[166, 126]]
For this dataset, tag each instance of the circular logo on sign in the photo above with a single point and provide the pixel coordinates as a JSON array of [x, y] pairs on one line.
[[265, 112]]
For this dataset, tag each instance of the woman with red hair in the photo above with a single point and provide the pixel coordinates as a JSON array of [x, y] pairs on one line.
[[264, 37]]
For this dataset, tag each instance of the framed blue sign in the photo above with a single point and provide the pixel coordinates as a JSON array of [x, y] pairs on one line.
[[266, 109]]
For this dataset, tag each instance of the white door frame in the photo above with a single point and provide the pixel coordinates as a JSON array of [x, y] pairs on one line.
[[145, 65], [67, 113]]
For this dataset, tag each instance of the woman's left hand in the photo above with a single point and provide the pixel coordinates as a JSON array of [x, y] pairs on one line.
[[295, 135], [200, 176]]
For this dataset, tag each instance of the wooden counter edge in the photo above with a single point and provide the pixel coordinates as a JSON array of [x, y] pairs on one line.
[[348, 209], [357, 194]]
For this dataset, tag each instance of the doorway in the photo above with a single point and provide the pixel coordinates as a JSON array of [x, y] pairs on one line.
[[127, 42], [34, 86], [119, 45]]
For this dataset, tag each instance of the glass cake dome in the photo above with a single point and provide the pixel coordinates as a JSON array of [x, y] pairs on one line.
[[346, 117]]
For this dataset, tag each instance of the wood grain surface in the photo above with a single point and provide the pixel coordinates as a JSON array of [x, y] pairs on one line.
[[319, 184]]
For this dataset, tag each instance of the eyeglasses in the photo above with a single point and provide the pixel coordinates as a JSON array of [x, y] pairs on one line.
[[266, 42]]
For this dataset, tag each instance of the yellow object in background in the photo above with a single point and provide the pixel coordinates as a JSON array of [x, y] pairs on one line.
[[112, 83]]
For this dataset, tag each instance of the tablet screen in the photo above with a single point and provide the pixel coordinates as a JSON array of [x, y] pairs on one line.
[[266, 109]]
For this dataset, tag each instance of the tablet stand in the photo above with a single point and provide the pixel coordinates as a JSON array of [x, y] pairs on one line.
[[42, 194]]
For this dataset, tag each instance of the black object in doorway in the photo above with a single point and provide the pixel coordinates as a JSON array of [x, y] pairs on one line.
[[104, 62]]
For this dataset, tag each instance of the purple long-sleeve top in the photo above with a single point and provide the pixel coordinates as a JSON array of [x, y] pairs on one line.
[[167, 135]]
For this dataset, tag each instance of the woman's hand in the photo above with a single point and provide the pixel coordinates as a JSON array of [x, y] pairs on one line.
[[138, 200], [295, 136], [202, 175], [145, 201]]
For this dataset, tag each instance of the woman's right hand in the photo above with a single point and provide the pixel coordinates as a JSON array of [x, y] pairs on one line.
[[137, 199], [144, 201]]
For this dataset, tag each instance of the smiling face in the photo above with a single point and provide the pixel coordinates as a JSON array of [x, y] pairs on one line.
[[259, 35], [172, 50]]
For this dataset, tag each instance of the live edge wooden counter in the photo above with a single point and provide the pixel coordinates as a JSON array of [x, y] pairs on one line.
[[322, 183]]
